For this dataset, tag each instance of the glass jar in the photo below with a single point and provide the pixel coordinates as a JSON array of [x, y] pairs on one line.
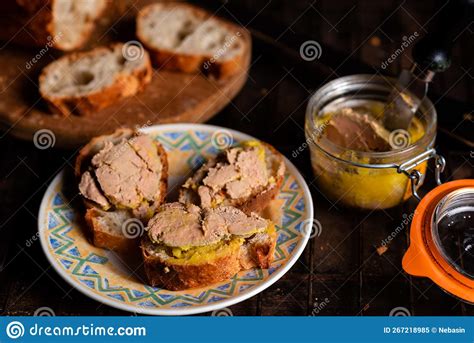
[[452, 230], [367, 180]]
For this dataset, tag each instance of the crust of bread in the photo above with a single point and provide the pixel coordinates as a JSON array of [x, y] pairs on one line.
[[86, 105], [258, 254], [189, 63], [260, 201], [162, 273], [175, 277], [100, 238]]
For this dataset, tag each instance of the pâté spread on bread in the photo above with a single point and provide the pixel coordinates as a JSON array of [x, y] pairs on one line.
[[212, 232], [187, 246], [121, 176], [125, 175], [245, 176]]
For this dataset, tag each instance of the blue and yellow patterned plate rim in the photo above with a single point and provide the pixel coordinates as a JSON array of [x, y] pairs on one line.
[[101, 275]]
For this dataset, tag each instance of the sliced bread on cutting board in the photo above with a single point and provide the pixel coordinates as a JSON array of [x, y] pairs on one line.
[[63, 24], [189, 39], [83, 83]]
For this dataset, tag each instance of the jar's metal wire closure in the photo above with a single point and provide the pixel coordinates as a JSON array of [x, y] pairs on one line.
[[415, 175]]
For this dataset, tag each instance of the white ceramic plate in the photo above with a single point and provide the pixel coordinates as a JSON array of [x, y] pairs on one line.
[[103, 276]]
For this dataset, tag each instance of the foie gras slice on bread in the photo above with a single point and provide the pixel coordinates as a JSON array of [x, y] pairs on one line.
[[187, 247], [186, 38], [83, 83], [63, 24], [247, 176], [123, 180]]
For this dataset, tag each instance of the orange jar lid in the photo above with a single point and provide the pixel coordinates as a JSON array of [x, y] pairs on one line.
[[442, 239]]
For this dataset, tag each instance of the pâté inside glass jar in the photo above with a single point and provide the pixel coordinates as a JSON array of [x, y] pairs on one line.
[[356, 161]]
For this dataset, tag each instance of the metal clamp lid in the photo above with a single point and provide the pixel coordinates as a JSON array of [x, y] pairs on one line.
[[415, 175]]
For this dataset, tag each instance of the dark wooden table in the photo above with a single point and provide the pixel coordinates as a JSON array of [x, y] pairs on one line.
[[340, 272]]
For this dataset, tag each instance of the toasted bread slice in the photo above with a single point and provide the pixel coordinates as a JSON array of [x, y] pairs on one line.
[[259, 197], [186, 38], [164, 271], [83, 83], [112, 226], [63, 24]]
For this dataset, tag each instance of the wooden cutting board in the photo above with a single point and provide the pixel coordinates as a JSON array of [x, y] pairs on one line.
[[171, 97]]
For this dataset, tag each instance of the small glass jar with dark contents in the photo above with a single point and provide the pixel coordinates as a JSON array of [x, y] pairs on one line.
[[442, 239], [377, 178]]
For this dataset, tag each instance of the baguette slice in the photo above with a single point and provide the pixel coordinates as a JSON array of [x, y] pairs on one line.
[[83, 83], [257, 200], [164, 271], [107, 230], [113, 228], [63, 24], [186, 38]]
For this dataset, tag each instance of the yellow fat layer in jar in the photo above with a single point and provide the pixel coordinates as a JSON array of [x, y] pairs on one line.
[[363, 187]]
